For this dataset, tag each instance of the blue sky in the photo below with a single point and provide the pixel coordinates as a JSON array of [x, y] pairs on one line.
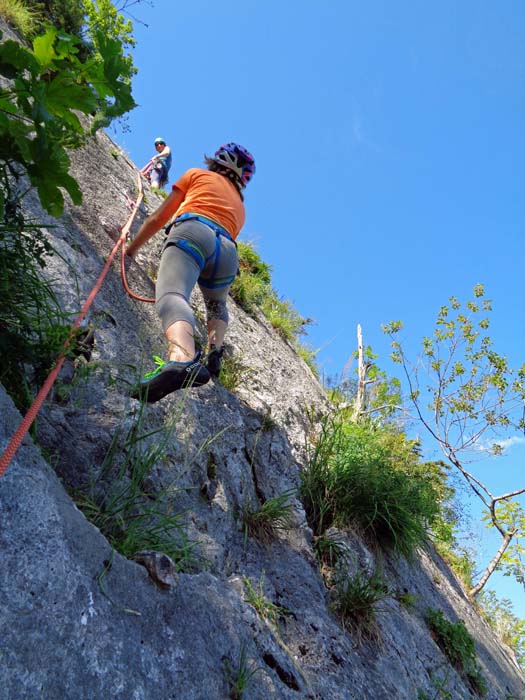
[[389, 143]]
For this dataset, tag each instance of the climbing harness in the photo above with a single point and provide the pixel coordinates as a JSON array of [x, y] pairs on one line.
[[211, 282], [194, 251], [30, 416]]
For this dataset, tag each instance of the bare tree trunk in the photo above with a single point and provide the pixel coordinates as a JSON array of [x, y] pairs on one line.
[[507, 539], [361, 377]]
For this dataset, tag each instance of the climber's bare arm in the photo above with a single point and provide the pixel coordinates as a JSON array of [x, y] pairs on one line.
[[156, 221]]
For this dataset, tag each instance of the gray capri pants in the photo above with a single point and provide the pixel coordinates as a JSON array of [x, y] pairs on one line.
[[194, 253]]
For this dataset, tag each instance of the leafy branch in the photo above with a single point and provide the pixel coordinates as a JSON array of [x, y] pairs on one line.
[[48, 87], [471, 397]]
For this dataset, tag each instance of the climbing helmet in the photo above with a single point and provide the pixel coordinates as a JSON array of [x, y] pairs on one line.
[[238, 159], [159, 140]]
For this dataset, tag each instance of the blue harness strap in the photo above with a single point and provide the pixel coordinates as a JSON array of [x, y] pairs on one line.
[[193, 251], [211, 282], [204, 220]]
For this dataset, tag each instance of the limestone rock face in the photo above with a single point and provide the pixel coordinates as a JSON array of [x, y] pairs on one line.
[[78, 620]]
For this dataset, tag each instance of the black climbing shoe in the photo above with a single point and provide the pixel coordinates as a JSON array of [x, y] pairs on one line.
[[213, 360], [169, 377]]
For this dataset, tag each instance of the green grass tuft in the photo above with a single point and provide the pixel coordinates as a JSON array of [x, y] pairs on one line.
[[360, 475], [130, 518], [265, 608], [265, 522], [233, 371], [239, 674], [357, 604], [19, 15]]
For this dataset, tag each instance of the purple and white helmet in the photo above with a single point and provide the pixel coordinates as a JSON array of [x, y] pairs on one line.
[[238, 159]]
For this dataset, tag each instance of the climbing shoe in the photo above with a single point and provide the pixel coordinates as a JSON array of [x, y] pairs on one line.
[[214, 360], [170, 376]]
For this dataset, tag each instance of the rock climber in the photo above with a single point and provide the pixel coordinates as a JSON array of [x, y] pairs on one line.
[[208, 210], [160, 164]]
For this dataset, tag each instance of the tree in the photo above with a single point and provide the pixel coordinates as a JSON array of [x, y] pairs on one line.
[[501, 617], [370, 392], [103, 18], [472, 400]]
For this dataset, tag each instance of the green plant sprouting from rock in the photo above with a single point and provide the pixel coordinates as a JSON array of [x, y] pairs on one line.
[[265, 608], [252, 289], [359, 474], [357, 602], [458, 645], [120, 505], [265, 521], [239, 674]]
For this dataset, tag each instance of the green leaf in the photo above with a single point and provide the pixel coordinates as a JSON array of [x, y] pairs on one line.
[[43, 47], [50, 197], [63, 95], [14, 57]]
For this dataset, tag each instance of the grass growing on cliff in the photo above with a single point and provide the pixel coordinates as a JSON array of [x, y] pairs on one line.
[[234, 371], [458, 645], [253, 289], [239, 674], [361, 474], [329, 550], [273, 515], [265, 608], [17, 14], [357, 603], [124, 509]]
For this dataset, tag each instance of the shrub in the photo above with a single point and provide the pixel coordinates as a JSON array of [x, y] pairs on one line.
[[366, 476], [455, 641], [357, 600], [46, 88]]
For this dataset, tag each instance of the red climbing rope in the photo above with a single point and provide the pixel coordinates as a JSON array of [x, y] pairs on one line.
[[30, 416], [125, 281]]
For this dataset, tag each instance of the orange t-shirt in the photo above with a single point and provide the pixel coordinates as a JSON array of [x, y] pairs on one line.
[[213, 196]]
